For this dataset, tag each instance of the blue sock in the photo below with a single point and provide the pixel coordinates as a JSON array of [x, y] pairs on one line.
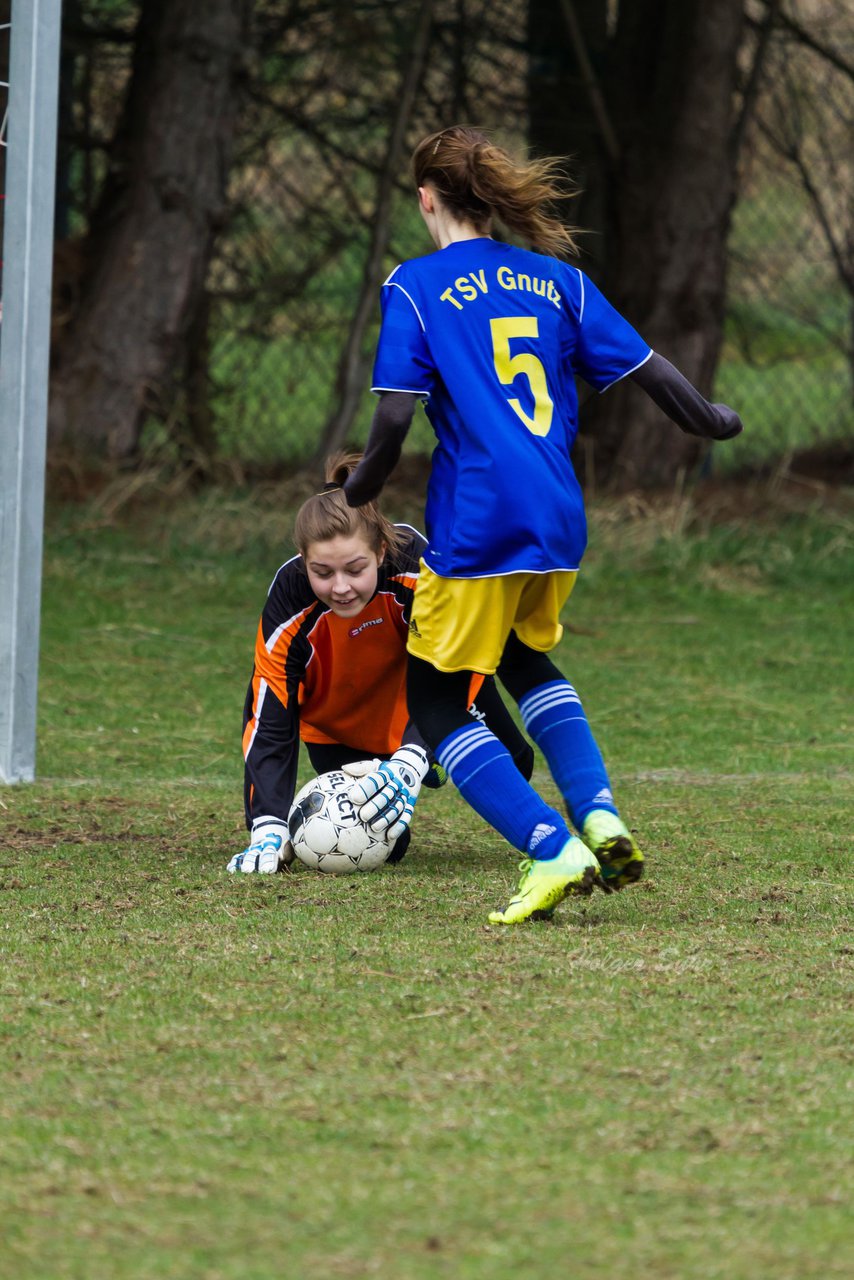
[[484, 773], [555, 719]]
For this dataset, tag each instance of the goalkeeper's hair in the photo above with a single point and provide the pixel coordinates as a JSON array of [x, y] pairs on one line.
[[326, 515], [477, 180]]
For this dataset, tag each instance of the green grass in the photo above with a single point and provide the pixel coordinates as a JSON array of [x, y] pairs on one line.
[[221, 1078]]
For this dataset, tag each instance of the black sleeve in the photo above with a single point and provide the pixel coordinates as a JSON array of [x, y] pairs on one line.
[[682, 402], [412, 738], [271, 738], [392, 420], [272, 756]]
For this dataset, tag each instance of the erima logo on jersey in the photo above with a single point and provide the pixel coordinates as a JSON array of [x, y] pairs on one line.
[[372, 622]]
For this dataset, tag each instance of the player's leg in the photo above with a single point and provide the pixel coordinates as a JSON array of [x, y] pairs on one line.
[[556, 863], [489, 708], [478, 763], [555, 719], [461, 627]]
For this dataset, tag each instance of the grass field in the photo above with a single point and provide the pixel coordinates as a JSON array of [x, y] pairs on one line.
[[304, 1076]]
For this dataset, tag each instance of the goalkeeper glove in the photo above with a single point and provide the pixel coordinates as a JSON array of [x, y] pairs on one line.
[[385, 799], [360, 768], [269, 849]]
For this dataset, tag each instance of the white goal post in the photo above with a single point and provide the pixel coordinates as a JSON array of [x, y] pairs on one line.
[[30, 139]]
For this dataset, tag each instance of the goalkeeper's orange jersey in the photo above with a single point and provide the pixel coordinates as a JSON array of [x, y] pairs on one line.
[[326, 679]]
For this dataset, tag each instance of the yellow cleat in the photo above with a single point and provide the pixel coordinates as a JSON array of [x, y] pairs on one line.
[[615, 849], [544, 884]]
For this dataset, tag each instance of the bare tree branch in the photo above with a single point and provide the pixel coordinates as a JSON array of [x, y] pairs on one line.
[[589, 80], [754, 78], [350, 369], [794, 154], [810, 41]]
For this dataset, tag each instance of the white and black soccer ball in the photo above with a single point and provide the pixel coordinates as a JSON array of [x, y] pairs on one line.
[[327, 833]]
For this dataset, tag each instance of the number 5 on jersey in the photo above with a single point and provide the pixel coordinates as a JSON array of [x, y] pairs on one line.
[[508, 367]]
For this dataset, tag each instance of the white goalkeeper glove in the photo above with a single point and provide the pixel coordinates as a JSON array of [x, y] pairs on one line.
[[269, 849], [385, 799], [360, 768]]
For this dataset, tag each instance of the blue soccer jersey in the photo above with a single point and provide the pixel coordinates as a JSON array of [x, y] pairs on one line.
[[491, 336]]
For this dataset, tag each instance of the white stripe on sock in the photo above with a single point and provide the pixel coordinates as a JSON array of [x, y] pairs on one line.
[[536, 705], [471, 740]]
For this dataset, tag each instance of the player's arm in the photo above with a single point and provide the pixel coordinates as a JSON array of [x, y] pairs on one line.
[[270, 739], [271, 752], [609, 349], [682, 402], [271, 745], [403, 373], [391, 422], [434, 776], [403, 583]]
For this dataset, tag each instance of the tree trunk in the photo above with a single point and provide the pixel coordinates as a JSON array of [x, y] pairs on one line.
[[149, 243], [669, 81], [563, 119], [349, 380], [675, 69]]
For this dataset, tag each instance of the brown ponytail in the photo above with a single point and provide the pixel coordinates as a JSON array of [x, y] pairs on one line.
[[476, 179], [326, 514]]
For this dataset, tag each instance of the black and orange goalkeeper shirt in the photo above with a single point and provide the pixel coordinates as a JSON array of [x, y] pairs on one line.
[[325, 679]]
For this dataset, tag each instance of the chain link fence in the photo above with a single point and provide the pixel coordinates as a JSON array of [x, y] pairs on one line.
[[788, 354], [287, 281], [266, 369]]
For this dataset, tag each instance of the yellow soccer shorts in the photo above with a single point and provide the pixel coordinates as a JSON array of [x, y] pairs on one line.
[[462, 624]]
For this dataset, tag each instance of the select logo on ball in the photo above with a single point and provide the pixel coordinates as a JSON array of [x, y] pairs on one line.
[[327, 833]]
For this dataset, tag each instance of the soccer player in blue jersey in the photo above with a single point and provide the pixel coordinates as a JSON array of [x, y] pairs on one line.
[[491, 337]]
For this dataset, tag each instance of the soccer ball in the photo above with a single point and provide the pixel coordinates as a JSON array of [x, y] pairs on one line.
[[327, 833]]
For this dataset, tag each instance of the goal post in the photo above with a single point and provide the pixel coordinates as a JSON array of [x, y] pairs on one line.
[[28, 230]]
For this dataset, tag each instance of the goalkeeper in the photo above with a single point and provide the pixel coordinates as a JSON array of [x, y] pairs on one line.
[[330, 672]]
